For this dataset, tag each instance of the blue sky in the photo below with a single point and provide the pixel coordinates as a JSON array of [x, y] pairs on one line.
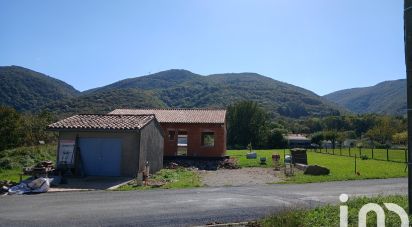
[[321, 45]]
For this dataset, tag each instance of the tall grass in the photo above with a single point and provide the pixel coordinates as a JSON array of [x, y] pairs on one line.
[[329, 215], [13, 160]]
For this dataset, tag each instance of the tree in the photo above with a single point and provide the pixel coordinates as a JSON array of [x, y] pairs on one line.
[[10, 128], [400, 138], [247, 123], [276, 139], [317, 138], [332, 136], [35, 126], [334, 123], [382, 132]]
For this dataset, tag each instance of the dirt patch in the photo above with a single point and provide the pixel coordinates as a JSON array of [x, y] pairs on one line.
[[239, 177]]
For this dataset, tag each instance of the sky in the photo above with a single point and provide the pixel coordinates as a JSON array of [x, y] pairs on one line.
[[320, 45]]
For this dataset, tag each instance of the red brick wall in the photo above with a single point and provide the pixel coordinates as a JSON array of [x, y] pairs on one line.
[[194, 134]]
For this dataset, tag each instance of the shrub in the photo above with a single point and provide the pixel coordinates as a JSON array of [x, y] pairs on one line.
[[364, 157]]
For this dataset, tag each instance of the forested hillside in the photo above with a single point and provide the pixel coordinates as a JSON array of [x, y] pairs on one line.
[[184, 89], [26, 90], [388, 97]]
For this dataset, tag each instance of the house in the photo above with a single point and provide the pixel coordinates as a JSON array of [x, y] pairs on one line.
[[189, 132], [327, 144], [297, 141], [109, 145], [349, 143]]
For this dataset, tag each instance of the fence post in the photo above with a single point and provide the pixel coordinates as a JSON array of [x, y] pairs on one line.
[[406, 155], [349, 151], [360, 151], [387, 154], [355, 165], [372, 152]]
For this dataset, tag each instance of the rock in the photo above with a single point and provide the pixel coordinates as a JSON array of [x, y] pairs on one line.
[[316, 170]]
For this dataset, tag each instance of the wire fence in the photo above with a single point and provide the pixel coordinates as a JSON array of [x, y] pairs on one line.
[[390, 155]]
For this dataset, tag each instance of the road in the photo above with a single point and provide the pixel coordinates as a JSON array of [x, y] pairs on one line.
[[180, 207]]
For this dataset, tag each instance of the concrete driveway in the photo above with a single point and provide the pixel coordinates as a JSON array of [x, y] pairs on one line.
[[90, 183], [180, 207]]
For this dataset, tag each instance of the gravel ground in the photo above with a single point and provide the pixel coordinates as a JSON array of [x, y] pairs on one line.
[[240, 177]]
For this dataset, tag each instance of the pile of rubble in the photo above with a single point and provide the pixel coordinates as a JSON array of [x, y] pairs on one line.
[[41, 169], [201, 164], [229, 163]]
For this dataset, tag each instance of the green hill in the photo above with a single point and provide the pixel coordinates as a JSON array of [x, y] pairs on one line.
[[388, 97], [105, 101], [26, 90], [184, 89]]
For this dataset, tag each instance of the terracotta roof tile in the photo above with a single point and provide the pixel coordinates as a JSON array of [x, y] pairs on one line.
[[180, 115], [100, 121]]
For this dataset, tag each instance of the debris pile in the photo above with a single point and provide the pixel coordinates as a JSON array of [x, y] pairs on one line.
[[192, 163], [39, 185], [41, 169], [229, 163], [202, 164]]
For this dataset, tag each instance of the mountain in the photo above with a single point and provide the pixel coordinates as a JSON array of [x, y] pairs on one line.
[[388, 97], [184, 89], [26, 90], [104, 101]]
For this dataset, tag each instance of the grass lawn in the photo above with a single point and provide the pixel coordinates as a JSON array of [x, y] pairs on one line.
[[329, 215], [342, 168], [240, 155], [380, 154], [11, 175], [173, 178], [13, 160]]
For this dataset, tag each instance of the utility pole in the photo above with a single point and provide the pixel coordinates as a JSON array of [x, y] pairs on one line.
[[407, 16]]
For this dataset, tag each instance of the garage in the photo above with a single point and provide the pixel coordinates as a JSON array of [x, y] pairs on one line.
[[109, 145], [101, 156]]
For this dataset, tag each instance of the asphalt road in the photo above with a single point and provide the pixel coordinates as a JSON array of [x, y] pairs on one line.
[[179, 207]]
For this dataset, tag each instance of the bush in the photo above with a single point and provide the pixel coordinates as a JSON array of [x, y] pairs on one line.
[[26, 156], [364, 157], [6, 163]]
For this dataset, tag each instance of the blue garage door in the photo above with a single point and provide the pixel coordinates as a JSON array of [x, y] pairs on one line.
[[101, 156]]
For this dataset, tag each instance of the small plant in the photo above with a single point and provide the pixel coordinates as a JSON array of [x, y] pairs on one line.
[[364, 157], [249, 147]]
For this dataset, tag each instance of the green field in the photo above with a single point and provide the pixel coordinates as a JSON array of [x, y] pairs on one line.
[[13, 160], [329, 215], [396, 155], [342, 168]]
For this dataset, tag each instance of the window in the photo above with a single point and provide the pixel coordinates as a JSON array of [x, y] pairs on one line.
[[208, 139], [172, 135]]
